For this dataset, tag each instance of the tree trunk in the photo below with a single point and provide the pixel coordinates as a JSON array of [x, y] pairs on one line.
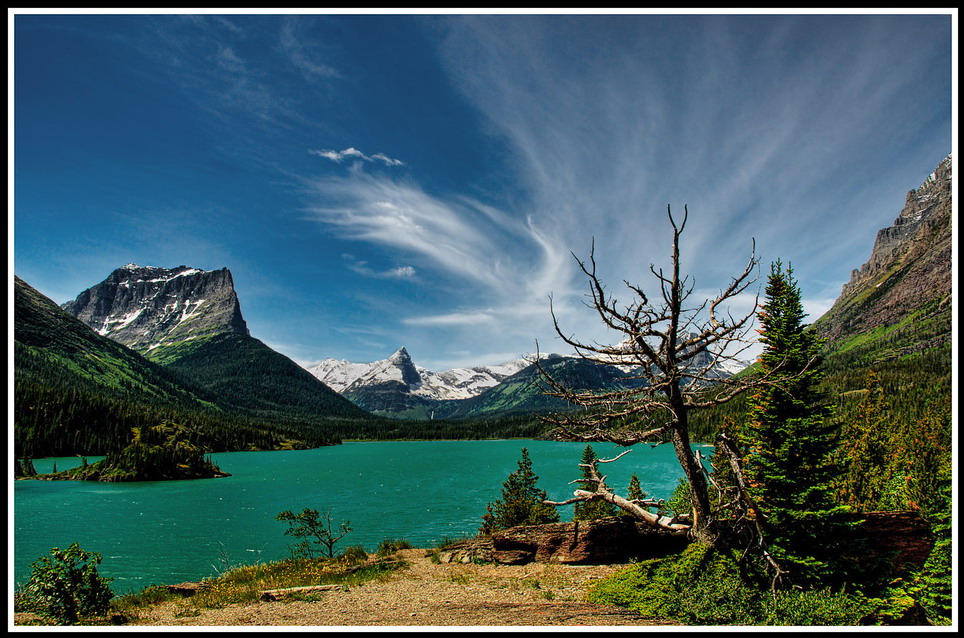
[[702, 528]]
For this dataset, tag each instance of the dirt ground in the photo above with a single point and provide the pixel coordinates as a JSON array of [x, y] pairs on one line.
[[427, 594]]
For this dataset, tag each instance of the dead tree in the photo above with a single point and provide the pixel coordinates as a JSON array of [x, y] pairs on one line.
[[676, 349]]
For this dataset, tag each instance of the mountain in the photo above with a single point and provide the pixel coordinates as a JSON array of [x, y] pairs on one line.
[[397, 387], [522, 392], [189, 321], [78, 392], [396, 384], [48, 338], [899, 301], [150, 309]]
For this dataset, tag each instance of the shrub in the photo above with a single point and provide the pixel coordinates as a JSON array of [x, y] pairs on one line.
[[391, 545], [702, 586], [66, 586], [354, 554]]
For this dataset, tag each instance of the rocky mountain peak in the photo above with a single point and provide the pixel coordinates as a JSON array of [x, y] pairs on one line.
[[925, 208], [909, 269], [145, 307], [400, 356]]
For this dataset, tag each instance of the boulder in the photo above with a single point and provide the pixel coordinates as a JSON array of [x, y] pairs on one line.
[[467, 551]]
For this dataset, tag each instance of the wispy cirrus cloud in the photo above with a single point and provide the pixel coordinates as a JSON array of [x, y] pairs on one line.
[[302, 52], [355, 154], [493, 264]]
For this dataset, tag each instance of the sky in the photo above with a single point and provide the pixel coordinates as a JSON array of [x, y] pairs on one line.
[[374, 181]]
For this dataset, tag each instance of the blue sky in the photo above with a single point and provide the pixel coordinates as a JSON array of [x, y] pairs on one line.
[[377, 181]]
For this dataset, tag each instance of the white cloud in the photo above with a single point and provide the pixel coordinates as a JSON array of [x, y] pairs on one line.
[[362, 268], [354, 153], [402, 272], [497, 271], [816, 308]]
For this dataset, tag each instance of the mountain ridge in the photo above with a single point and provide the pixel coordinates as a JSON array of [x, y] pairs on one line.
[[899, 300], [456, 383], [149, 307]]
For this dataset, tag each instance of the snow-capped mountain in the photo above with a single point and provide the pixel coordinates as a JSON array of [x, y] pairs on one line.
[[396, 384], [459, 383], [144, 307]]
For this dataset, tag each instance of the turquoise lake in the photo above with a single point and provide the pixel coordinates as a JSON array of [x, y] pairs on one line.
[[422, 491]]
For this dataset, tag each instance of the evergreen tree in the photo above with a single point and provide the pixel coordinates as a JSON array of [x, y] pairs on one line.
[[521, 503], [591, 510], [789, 440], [864, 450], [635, 491]]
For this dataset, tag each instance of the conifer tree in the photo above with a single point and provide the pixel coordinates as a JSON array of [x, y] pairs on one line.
[[598, 508], [635, 491], [864, 450], [789, 439], [521, 502]]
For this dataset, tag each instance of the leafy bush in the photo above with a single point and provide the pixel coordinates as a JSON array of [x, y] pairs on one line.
[[66, 586], [702, 586]]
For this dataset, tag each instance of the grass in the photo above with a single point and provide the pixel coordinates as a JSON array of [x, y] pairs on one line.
[[243, 585]]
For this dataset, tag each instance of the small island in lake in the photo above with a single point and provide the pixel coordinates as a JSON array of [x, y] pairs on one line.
[[164, 452]]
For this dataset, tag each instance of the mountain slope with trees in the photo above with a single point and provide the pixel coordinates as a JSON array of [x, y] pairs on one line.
[[77, 392]]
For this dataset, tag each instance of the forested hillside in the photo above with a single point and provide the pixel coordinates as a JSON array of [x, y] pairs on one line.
[[76, 392]]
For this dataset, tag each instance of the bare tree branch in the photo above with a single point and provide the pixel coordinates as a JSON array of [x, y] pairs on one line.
[[603, 492], [676, 350]]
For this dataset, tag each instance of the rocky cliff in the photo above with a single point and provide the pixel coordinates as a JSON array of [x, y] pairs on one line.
[[145, 307], [907, 279]]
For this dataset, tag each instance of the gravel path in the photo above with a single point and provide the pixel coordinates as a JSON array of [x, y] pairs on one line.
[[427, 594]]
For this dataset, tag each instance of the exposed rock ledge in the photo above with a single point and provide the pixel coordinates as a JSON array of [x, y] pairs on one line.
[[896, 537], [617, 539]]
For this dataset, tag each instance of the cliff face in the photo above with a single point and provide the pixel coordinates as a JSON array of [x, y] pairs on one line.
[[148, 307], [908, 273]]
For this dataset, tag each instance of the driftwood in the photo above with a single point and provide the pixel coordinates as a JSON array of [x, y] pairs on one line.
[[187, 589], [278, 594]]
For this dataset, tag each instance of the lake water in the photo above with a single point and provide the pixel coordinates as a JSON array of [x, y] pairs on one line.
[[423, 491]]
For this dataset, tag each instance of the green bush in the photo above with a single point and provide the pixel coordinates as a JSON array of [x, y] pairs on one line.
[[66, 587], [390, 546], [701, 586], [354, 554]]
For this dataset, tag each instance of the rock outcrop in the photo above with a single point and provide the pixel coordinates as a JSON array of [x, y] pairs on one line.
[[894, 539], [617, 539]]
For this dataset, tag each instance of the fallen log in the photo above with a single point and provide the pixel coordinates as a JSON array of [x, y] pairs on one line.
[[278, 594]]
